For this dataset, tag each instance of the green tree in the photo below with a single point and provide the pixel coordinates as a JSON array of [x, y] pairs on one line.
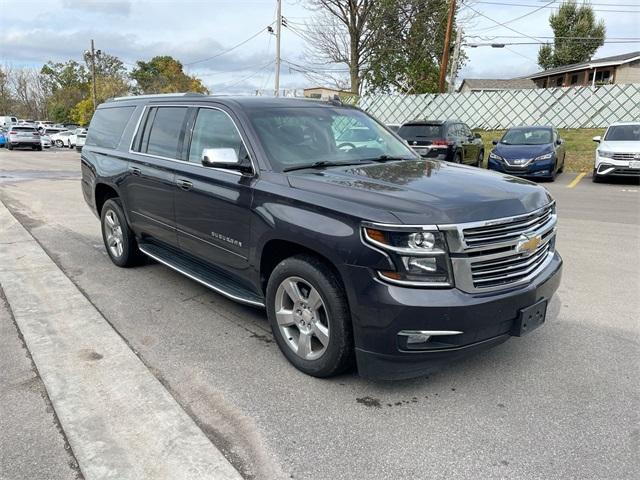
[[68, 83], [164, 74], [407, 46], [577, 36]]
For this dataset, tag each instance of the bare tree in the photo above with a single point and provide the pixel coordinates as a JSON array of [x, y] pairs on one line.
[[340, 34], [28, 93]]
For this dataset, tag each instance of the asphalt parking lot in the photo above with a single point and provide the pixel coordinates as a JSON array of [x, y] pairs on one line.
[[559, 403]]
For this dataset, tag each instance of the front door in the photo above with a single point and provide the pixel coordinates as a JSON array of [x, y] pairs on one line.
[[213, 204]]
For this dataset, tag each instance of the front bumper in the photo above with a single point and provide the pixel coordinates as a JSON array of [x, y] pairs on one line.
[[608, 167], [380, 311], [536, 169]]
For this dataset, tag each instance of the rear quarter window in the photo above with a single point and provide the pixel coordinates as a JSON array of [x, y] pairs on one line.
[[107, 126]]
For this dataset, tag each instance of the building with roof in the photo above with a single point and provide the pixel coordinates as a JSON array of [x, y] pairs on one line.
[[617, 69], [495, 84]]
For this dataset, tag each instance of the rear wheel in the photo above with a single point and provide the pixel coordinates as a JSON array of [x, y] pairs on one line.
[[59, 143], [309, 316], [9, 146], [118, 238]]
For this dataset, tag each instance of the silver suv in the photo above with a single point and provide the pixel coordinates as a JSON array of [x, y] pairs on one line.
[[23, 136]]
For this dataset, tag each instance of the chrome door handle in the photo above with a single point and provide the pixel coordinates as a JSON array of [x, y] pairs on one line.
[[135, 171], [184, 184]]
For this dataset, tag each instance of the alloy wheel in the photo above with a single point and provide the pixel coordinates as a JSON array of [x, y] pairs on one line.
[[113, 232], [302, 318]]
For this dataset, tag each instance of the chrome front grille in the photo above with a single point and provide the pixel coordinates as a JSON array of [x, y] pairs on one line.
[[501, 253], [625, 156]]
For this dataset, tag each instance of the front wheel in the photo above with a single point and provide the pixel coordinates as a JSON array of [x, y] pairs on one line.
[[309, 316], [118, 238], [59, 143]]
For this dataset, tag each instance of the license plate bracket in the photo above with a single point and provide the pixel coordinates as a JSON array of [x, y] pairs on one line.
[[530, 318]]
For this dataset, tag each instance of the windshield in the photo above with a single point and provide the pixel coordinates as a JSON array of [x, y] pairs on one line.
[[527, 136], [430, 132], [294, 137], [623, 133]]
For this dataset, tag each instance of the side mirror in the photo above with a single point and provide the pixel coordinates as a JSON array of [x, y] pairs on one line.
[[597, 139], [495, 142], [220, 158], [477, 135], [559, 141]]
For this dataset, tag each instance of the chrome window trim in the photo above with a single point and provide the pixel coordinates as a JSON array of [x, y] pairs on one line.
[[186, 162]]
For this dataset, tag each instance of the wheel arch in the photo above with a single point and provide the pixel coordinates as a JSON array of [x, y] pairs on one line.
[[276, 249], [102, 193]]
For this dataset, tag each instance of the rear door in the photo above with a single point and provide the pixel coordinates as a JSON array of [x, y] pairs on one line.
[[213, 204], [150, 184]]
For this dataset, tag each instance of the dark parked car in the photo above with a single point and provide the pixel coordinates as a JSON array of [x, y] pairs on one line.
[[535, 152], [449, 140], [367, 254]]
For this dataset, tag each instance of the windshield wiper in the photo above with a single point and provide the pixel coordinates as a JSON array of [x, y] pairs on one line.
[[320, 164], [386, 158]]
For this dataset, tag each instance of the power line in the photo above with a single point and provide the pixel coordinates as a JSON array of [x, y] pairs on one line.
[[553, 7], [503, 24], [219, 54]]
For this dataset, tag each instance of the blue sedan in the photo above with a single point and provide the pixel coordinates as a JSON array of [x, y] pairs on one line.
[[531, 152]]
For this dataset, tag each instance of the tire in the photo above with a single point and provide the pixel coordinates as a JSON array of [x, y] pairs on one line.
[[561, 169], [118, 238], [457, 158], [39, 148], [59, 143], [9, 146], [480, 159], [327, 326]]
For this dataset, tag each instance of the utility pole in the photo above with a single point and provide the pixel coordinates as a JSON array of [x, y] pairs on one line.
[[444, 63], [93, 75], [278, 32], [454, 61]]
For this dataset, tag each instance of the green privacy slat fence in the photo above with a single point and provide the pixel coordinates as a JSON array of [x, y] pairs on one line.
[[569, 107]]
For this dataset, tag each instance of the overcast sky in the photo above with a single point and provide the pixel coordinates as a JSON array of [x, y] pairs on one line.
[[192, 31]]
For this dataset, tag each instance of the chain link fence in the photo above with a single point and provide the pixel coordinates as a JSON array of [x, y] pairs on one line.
[[568, 107]]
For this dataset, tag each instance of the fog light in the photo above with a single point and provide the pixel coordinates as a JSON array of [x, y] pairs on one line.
[[413, 339]]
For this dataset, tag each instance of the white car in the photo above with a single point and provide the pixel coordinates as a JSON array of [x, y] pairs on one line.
[[80, 140], [45, 141], [73, 138], [618, 152], [60, 138]]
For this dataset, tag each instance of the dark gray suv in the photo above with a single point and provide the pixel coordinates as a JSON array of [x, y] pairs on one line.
[[361, 254]]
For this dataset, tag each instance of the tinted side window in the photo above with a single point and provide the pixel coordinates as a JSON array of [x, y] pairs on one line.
[[214, 129], [165, 131], [107, 126]]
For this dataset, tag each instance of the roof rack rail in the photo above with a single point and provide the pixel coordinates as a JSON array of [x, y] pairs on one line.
[[156, 95]]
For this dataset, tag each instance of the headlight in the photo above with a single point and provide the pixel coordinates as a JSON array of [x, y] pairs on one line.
[[605, 154], [493, 156], [546, 156], [420, 256]]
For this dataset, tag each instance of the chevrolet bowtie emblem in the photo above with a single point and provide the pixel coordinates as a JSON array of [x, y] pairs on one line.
[[528, 244]]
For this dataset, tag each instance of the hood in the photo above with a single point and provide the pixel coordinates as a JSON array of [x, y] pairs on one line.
[[426, 191], [512, 152], [620, 147]]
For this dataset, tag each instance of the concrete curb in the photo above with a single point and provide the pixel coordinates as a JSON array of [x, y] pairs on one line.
[[120, 421]]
